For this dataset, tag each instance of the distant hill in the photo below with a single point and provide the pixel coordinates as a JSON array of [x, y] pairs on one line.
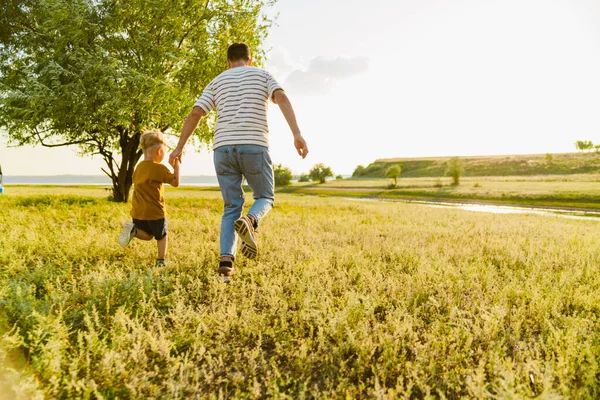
[[509, 165]]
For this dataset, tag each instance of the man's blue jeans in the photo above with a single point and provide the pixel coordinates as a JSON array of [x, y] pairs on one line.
[[232, 163]]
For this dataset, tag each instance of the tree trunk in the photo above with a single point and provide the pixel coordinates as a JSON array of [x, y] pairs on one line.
[[123, 178]]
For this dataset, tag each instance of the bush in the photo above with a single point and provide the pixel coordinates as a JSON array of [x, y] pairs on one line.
[[584, 145], [304, 178], [283, 175], [358, 171], [320, 172], [393, 172], [339, 177], [455, 169]]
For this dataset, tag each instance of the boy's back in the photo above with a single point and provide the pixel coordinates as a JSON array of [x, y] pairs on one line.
[[148, 201]]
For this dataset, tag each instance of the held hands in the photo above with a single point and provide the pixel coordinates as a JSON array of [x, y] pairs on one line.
[[301, 146], [177, 162], [175, 157]]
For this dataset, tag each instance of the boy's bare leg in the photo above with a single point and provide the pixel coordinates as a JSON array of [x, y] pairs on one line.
[[162, 248], [142, 235]]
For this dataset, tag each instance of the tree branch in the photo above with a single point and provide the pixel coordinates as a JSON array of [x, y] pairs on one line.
[[41, 141], [23, 27], [193, 25], [185, 35], [172, 134], [110, 162], [109, 175], [108, 159]]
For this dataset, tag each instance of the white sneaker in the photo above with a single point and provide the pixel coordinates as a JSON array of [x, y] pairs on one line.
[[127, 234]]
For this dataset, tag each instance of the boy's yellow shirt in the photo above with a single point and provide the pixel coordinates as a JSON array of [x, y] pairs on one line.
[[148, 201]]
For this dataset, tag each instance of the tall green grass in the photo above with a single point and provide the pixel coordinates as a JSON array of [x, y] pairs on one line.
[[348, 299]]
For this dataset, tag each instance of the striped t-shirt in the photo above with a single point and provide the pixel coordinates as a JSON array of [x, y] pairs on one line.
[[241, 96]]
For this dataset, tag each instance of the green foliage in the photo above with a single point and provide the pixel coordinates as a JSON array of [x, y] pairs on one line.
[[304, 178], [393, 172], [339, 177], [358, 171], [376, 169], [455, 169], [371, 170], [549, 157], [584, 145], [283, 175], [393, 317], [320, 172], [95, 74]]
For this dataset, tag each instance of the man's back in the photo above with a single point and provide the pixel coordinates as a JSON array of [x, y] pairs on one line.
[[241, 96]]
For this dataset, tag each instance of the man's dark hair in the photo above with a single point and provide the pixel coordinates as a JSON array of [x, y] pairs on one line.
[[238, 51]]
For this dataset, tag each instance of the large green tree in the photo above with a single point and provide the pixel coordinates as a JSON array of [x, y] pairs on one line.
[[97, 73]]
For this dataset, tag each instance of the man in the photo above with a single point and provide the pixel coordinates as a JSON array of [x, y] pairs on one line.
[[241, 146]]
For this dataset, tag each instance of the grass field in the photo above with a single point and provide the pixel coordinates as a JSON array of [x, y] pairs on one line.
[[504, 165], [348, 299], [578, 191]]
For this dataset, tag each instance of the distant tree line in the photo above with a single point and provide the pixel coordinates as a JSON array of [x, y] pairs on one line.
[[587, 145], [319, 173], [454, 169], [374, 169]]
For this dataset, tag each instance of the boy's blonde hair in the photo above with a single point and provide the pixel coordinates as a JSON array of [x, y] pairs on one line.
[[150, 139]]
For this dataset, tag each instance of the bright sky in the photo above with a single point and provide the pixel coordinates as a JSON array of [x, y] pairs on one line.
[[410, 78]]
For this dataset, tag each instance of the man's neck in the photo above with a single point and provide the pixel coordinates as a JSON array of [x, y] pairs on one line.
[[238, 64]]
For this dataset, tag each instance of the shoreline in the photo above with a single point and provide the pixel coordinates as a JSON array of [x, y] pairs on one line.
[[573, 213], [546, 203]]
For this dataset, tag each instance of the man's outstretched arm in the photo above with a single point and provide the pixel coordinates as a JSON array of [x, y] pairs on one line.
[[189, 126], [281, 99]]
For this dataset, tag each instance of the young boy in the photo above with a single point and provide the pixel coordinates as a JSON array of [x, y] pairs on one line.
[[148, 204]]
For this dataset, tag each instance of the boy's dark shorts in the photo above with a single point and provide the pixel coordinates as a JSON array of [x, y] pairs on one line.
[[156, 228]]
